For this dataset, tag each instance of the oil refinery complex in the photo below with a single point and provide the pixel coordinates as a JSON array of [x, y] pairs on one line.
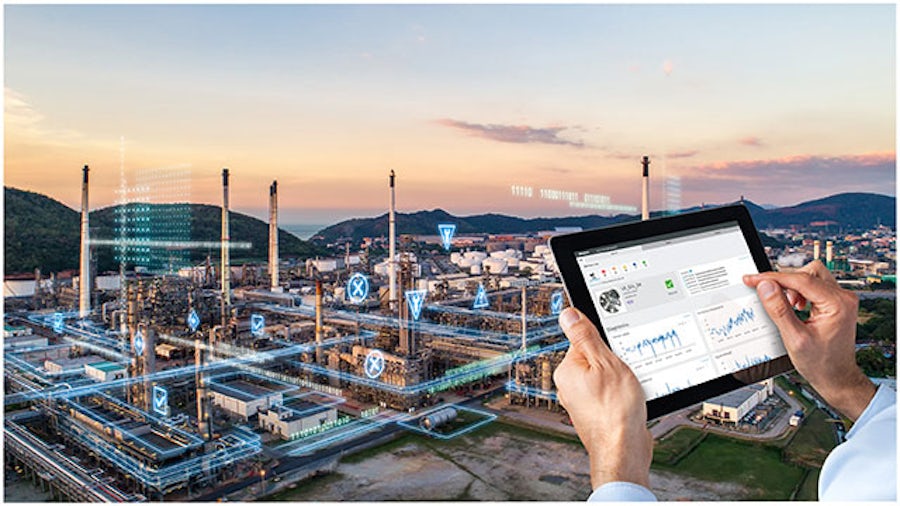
[[190, 384]]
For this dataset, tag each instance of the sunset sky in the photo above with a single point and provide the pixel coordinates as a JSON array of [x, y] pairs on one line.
[[779, 103]]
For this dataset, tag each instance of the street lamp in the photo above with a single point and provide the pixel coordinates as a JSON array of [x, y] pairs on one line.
[[262, 480]]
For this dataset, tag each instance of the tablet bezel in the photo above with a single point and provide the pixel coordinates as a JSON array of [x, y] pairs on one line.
[[565, 247]]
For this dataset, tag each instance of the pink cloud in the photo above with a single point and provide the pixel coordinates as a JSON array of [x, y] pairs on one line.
[[682, 154], [519, 134], [751, 140], [790, 179]]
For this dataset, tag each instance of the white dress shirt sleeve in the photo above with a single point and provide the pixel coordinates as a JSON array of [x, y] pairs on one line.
[[864, 468], [621, 491]]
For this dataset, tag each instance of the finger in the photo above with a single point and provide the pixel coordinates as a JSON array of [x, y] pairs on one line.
[[818, 269], [583, 335], [796, 300], [779, 310], [811, 287]]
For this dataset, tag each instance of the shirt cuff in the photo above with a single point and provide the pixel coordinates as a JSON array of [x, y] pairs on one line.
[[621, 491], [885, 397]]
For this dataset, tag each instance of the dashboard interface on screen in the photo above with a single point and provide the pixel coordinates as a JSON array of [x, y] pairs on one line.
[[674, 307]]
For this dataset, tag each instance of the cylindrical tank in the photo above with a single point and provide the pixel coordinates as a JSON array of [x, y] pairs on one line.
[[438, 418], [546, 376]]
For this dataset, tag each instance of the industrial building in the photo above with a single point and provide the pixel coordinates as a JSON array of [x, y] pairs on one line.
[[732, 407], [244, 399], [290, 422]]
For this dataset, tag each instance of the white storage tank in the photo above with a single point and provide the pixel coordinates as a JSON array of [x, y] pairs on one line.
[[438, 418]]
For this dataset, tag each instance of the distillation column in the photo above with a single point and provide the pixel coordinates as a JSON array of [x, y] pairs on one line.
[[392, 238], [645, 189], [84, 283], [273, 236], [319, 329], [226, 260]]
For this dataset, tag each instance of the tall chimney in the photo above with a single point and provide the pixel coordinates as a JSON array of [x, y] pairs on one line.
[[226, 261], [829, 252], [645, 189], [524, 321], [200, 354], [392, 232], [817, 244], [273, 236], [84, 283], [319, 329]]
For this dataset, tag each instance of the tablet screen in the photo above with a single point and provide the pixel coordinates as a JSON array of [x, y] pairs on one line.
[[674, 308]]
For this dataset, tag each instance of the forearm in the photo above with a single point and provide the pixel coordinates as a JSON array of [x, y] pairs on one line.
[[623, 458], [851, 397]]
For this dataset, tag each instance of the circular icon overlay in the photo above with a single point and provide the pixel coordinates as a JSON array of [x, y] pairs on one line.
[[374, 364]]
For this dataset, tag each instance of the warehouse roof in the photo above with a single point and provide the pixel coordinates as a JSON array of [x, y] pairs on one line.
[[736, 398]]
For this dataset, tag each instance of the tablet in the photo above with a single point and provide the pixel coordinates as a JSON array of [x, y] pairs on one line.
[[668, 298]]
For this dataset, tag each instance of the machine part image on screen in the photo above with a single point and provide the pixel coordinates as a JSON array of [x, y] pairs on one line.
[[676, 310], [610, 301]]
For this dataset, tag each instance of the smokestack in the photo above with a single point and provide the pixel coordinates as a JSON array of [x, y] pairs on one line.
[[273, 235], [203, 422], [226, 260], [645, 189], [84, 283], [524, 320], [816, 249], [318, 322], [392, 266], [829, 252]]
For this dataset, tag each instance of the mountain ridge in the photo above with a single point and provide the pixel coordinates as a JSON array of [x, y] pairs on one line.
[[849, 209], [41, 232]]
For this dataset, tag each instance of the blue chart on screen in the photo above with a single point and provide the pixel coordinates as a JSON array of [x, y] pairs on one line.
[[415, 300], [160, 401], [751, 361], [58, 323], [374, 365], [193, 321], [447, 230], [481, 300], [357, 288], [257, 322], [746, 315], [666, 341], [556, 302], [138, 343]]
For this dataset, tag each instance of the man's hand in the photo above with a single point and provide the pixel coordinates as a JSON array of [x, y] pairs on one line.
[[606, 404], [823, 347]]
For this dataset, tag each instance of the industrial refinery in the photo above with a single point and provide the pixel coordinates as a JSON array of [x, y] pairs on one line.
[[189, 385]]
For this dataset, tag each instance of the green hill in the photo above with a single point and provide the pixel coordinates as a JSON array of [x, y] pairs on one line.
[[38, 232], [42, 232]]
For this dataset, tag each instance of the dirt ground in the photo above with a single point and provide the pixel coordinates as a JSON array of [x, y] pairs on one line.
[[18, 489], [504, 465]]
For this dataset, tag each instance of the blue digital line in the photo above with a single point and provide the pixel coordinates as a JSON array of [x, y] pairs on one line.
[[750, 362], [666, 340], [746, 315]]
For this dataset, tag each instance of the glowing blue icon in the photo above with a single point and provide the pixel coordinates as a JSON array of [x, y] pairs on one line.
[[138, 343], [193, 321], [556, 303], [447, 230], [358, 288], [415, 300], [160, 401], [374, 365], [481, 300], [58, 323], [257, 322]]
